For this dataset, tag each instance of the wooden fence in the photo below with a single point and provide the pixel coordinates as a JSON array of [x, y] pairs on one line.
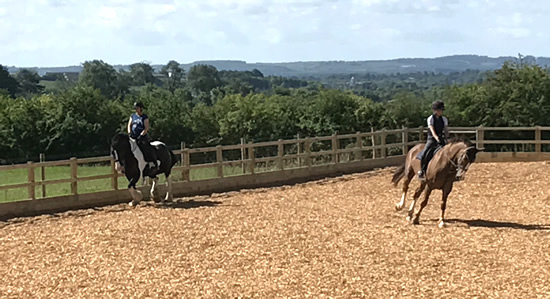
[[283, 154]]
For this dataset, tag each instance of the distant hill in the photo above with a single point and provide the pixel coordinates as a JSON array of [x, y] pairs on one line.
[[447, 64]]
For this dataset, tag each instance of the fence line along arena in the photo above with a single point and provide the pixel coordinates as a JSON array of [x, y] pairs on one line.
[[337, 237]]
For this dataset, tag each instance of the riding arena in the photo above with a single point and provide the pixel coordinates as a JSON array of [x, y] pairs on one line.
[[333, 235]]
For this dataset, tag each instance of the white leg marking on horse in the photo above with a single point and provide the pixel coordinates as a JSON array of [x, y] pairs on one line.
[[154, 188], [400, 205], [441, 224], [136, 197], [411, 210], [169, 196]]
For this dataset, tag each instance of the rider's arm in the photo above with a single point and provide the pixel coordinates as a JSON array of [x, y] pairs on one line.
[[432, 128], [129, 125], [446, 129], [146, 124]]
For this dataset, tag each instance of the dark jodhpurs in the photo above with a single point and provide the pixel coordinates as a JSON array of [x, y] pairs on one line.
[[429, 149]]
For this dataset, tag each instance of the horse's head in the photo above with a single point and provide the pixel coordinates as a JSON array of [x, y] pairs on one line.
[[465, 158], [120, 146]]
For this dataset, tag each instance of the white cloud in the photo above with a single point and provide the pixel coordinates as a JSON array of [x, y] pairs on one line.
[[60, 32]]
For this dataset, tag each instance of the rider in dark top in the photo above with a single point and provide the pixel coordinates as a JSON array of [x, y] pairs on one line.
[[138, 127], [437, 134]]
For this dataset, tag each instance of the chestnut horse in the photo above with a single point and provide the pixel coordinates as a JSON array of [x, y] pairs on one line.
[[448, 165]]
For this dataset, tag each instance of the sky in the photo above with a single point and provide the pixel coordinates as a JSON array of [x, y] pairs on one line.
[[69, 32]]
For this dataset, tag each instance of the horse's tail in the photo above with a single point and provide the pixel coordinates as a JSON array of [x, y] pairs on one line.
[[399, 174]]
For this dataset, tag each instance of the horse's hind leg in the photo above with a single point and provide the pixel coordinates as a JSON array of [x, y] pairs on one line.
[[422, 205], [446, 191], [410, 175], [417, 194]]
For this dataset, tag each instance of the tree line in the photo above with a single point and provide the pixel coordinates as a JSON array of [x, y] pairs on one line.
[[62, 117]]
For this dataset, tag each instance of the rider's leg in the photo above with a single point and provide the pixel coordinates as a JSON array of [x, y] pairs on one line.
[[424, 161]]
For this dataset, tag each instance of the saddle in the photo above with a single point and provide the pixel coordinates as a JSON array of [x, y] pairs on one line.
[[430, 155], [145, 152]]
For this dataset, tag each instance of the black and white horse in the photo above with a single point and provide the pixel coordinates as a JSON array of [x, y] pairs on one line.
[[130, 161]]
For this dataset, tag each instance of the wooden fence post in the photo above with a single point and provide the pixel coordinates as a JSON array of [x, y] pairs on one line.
[[373, 140], [182, 148], [359, 146], [383, 143], [114, 178], [405, 139], [335, 156], [538, 139], [31, 181], [480, 136], [43, 174], [251, 157], [280, 154], [219, 160], [307, 146], [74, 176], [299, 150], [243, 156], [186, 172], [421, 134]]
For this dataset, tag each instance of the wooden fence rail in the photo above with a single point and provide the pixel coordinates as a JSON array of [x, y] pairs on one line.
[[376, 145]]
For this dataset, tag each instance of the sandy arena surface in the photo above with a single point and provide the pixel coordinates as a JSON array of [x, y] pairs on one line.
[[337, 238]]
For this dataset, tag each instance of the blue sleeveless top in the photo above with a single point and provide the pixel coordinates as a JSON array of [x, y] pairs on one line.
[[137, 125]]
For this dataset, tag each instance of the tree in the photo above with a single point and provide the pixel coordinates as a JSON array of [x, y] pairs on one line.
[[102, 76], [29, 82], [170, 115], [174, 75], [7, 82], [142, 74], [203, 78]]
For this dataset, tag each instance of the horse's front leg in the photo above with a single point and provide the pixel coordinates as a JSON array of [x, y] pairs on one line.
[[417, 194], [399, 206], [423, 204], [446, 191], [137, 196], [169, 197], [153, 191]]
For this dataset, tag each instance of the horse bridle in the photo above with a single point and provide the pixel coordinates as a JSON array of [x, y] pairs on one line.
[[458, 165]]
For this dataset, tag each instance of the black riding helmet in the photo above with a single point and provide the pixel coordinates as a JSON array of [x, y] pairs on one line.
[[438, 105], [139, 104]]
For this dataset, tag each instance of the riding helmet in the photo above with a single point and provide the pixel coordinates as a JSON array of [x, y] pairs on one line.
[[438, 105], [139, 104]]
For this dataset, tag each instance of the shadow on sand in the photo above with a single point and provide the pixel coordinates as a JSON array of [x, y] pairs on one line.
[[500, 224], [188, 204]]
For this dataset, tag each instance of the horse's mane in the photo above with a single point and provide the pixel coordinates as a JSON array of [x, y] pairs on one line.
[[460, 139]]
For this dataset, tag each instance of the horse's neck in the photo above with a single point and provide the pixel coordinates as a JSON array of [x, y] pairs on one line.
[[449, 154]]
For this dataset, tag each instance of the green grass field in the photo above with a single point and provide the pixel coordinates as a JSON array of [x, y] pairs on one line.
[[19, 176]]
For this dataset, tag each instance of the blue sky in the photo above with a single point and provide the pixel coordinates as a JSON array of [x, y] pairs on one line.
[[68, 32]]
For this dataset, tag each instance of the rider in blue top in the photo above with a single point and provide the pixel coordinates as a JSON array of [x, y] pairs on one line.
[[138, 127]]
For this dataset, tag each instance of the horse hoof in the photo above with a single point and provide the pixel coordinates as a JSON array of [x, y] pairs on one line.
[[416, 221], [398, 207], [441, 224]]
